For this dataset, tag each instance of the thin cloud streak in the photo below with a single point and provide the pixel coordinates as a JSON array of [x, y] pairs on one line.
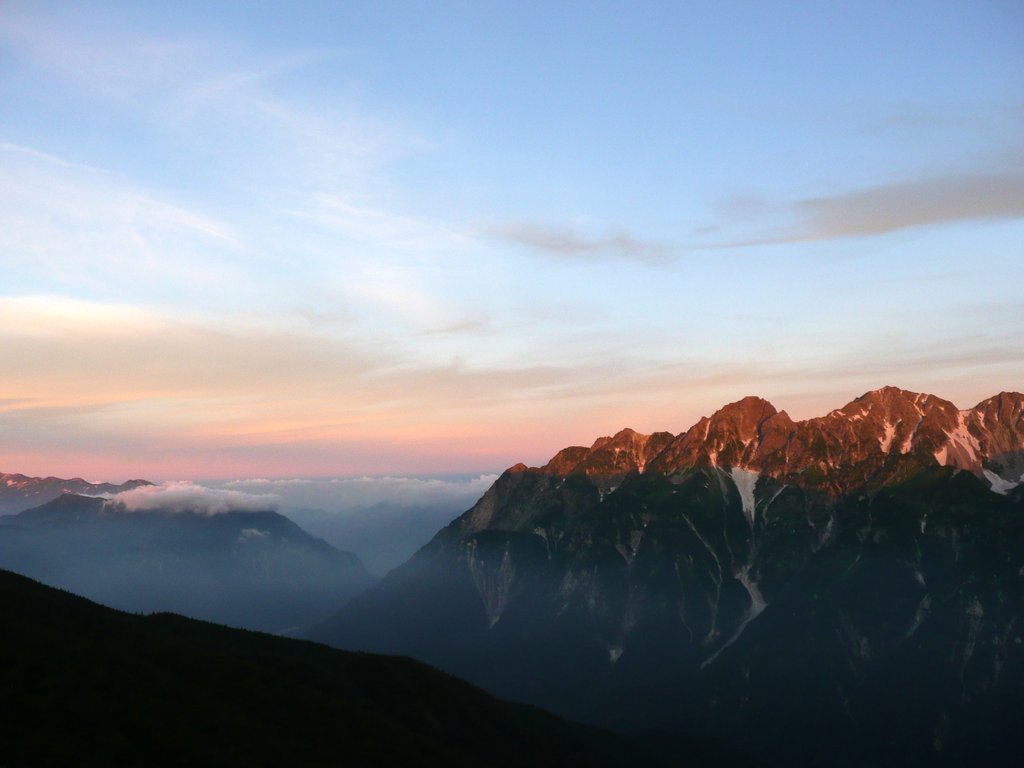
[[377, 226], [568, 243]]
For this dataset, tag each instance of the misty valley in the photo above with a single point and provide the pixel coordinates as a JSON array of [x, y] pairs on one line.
[[846, 590]]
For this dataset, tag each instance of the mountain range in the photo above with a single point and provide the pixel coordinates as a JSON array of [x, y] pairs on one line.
[[253, 569], [20, 492], [844, 590]]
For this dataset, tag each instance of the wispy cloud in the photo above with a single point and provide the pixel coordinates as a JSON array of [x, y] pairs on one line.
[[183, 496], [466, 325], [265, 177], [86, 227], [130, 67], [568, 243], [217, 108], [377, 226]]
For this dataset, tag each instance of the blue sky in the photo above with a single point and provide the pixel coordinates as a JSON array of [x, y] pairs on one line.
[[248, 239]]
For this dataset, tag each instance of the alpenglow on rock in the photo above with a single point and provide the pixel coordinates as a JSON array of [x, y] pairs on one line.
[[844, 590]]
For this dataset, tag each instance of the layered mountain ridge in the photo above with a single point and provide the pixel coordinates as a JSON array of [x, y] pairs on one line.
[[858, 574], [20, 492], [253, 569]]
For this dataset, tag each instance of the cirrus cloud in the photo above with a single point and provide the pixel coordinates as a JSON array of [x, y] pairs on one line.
[[568, 243]]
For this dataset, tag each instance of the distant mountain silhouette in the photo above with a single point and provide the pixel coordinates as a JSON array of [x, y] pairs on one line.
[[249, 569]]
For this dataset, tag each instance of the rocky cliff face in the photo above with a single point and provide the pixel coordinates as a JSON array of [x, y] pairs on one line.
[[852, 583]]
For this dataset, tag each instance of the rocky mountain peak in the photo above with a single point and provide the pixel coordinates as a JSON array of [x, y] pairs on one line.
[[868, 440], [740, 421], [610, 456], [731, 436], [1006, 407]]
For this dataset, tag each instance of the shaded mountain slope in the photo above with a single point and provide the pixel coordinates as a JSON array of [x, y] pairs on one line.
[[84, 685]]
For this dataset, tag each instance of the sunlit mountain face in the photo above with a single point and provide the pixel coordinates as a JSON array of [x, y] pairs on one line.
[[844, 590]]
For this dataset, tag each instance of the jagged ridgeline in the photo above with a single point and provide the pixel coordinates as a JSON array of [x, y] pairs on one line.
[[846, 590]]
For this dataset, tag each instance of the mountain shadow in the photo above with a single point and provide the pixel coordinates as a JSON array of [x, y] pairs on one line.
[[85, 685]]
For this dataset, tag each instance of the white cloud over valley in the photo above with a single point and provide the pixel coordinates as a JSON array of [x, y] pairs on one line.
[[346, 493], [184, 496]]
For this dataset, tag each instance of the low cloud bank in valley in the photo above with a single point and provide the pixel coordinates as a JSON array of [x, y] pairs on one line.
[[184, 496], [383, 520], [348, 493]]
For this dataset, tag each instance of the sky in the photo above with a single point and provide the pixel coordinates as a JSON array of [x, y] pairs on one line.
[[266, 240]]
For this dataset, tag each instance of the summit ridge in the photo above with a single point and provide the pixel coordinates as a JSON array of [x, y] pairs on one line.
[[870, 439]]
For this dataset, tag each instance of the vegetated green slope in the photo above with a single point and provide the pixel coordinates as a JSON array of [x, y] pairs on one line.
[[85, 685]]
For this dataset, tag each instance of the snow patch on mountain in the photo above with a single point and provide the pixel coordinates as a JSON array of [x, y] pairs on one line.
[[999, 485], [908, 443], [885, 441], [249, 534], [757, 606], [745, 481], [962, 439]]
